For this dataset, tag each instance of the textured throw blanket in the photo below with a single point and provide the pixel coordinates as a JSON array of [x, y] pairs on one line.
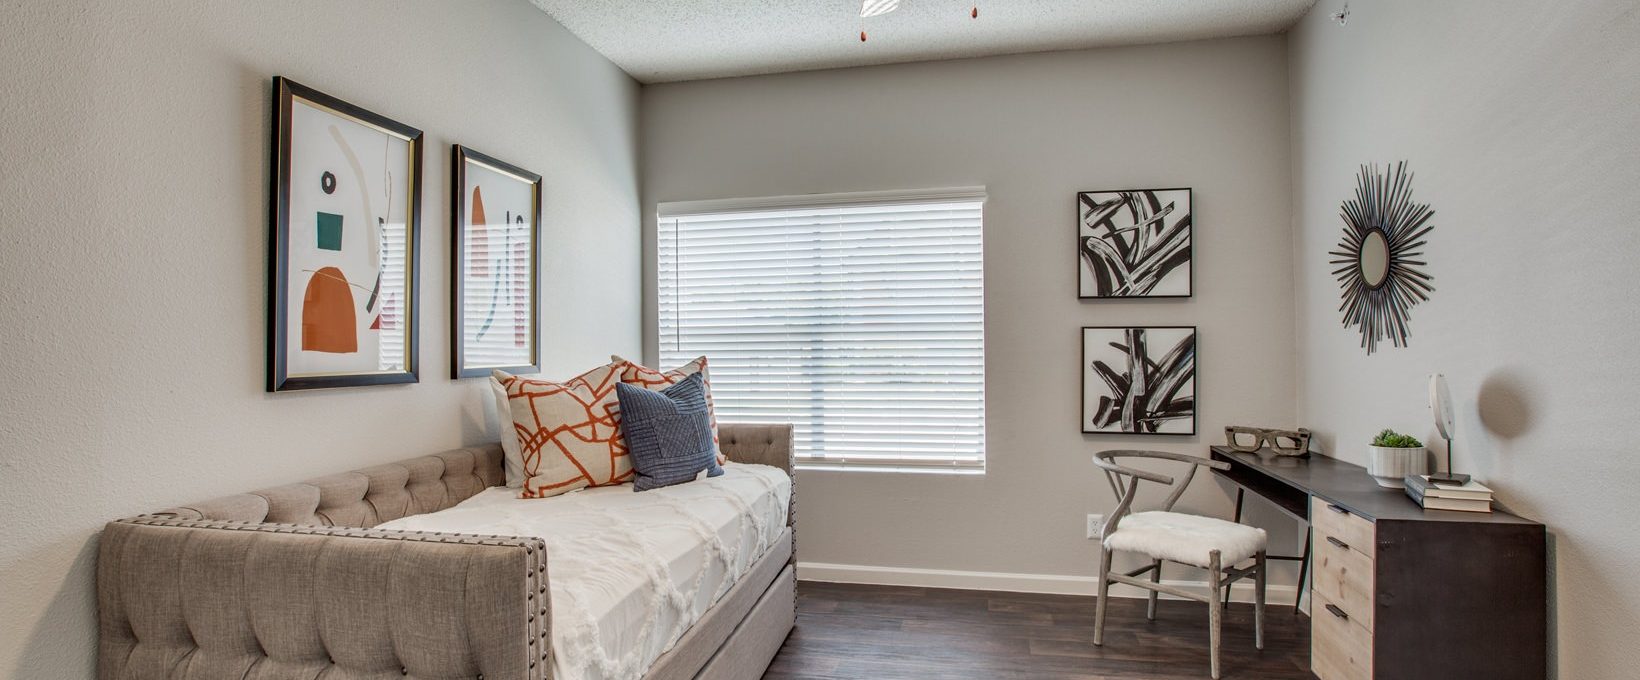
[[631, 572]]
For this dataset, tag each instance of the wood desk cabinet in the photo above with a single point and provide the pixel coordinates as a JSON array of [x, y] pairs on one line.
[[1399, 592]]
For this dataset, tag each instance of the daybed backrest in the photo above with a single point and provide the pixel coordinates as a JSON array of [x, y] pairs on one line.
[[362, 498]]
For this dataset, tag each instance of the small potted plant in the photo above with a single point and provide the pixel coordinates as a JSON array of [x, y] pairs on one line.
[[1394, 456]]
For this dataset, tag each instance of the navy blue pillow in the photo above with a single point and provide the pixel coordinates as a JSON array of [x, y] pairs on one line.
[[668, 433]]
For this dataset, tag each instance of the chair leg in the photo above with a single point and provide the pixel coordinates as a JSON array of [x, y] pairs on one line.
[[1258, 602], [1215, 609], [1155, 577], [1240, 496], [1104, 596]]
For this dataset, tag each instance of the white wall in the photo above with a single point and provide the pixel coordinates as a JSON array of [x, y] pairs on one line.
[[133, 256], [1034, 130], [1522, 124]]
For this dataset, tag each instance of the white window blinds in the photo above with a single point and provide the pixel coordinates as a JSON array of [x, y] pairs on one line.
[[858, 318], [392, 354], [495, 301]]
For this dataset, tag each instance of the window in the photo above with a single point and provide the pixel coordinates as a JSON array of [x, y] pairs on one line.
[[859, 318]]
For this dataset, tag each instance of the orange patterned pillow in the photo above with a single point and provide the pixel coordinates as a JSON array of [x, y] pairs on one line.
[[568, 433], [652, 379]]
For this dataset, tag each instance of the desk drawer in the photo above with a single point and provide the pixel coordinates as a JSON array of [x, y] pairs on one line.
[[1345, 577], [1340, 648], [1344, 526]]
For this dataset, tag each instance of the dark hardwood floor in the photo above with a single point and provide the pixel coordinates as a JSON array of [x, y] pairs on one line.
[[855, 632]]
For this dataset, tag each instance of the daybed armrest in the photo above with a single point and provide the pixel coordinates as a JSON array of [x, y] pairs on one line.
[[766, 445], [212, 599], [763, 444]]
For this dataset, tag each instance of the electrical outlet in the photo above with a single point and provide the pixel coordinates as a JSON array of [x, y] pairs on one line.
[[1094, 520]]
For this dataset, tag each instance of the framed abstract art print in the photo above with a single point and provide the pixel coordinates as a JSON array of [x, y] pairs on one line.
[[1134, 244], [496, 235], [346, 230], [1139, 380]]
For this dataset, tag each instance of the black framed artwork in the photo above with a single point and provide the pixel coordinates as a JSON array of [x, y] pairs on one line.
[[1134, 244], [1139, 380], [496, 235], [345, 238]]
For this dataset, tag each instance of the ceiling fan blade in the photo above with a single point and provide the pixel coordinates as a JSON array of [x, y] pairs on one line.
[[871, 8]]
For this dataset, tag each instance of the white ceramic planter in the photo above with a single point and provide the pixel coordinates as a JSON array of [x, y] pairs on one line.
[[1388, 466]]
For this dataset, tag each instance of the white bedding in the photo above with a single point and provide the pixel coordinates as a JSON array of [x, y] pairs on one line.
[[631, 572]]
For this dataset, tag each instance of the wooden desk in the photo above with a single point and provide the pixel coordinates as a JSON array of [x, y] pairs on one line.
[[1402, 592]]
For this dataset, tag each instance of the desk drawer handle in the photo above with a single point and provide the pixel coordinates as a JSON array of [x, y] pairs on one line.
[[1335, 611], [1338, 543], [1338, 509]]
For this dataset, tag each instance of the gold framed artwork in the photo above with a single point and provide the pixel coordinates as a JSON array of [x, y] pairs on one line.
[[345, 241], [496, 250]]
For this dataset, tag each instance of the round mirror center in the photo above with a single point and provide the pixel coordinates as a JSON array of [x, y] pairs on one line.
[[1374, 258]]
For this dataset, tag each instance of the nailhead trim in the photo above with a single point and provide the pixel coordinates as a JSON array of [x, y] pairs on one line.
[[528, 544]]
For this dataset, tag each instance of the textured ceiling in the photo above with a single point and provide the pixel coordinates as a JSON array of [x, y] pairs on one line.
[[667, 40]]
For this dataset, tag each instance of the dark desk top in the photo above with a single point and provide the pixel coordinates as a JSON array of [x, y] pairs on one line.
[[1350, 487]]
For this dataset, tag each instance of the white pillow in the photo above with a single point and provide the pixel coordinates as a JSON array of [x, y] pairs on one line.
[[512, 459]]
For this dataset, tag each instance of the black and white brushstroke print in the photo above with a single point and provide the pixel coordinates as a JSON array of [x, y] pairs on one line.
[[1139, 380], [1133, 243]]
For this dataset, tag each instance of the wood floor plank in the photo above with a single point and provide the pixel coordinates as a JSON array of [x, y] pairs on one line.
[[857, 632]]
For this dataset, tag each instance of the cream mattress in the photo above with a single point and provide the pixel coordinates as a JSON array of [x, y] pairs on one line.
[[631, 572]]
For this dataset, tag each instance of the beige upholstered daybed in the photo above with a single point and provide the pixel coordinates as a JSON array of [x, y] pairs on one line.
[[312, 580]]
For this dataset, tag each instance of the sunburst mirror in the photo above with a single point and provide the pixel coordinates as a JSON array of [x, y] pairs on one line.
[[1379, 259]]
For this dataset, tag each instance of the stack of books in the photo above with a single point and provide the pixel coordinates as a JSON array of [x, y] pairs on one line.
[[1468, 497]]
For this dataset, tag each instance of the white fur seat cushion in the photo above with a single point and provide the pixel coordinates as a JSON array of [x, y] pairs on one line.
[[1186, 539]]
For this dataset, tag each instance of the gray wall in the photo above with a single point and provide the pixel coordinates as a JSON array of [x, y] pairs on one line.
[[132, 256], [1034, 130], [1523, 128]]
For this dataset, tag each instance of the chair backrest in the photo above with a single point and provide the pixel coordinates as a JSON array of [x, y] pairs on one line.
[[1125, 480]]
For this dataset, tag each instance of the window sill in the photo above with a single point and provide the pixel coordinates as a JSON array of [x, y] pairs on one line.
[[910, 469]]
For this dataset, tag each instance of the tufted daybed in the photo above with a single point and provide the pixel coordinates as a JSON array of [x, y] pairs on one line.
[[292, 582]]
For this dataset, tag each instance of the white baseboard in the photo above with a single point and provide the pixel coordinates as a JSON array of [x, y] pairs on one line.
[[1056, 584]]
